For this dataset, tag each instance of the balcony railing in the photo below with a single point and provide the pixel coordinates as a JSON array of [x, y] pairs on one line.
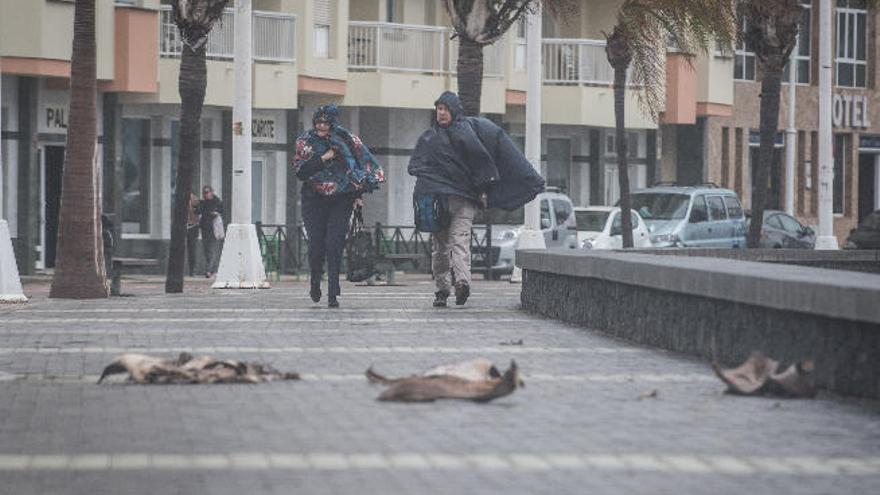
[[274, 37], [382, 46], [576, 61]]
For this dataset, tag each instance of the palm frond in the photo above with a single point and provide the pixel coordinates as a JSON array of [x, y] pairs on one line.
[[486, 21], [196, 18]]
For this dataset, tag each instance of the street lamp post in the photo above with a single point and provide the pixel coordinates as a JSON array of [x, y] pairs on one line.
[[241, 264], [791, 134], [10, 283], [531, 236], [826, 238]]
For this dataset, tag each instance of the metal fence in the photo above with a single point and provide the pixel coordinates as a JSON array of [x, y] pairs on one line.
[[388, 46], [274, 37], [574, 61]]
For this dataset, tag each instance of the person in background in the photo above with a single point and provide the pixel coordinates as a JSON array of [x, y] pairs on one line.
[[192, 232], [209, 208], [336, 168]]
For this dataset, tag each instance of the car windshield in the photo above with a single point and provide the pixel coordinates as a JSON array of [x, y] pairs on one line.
[[660, 206], [591, 221], [497, 216]]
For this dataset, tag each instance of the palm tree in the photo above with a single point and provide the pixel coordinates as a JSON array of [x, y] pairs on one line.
[[478, 23], [194, 19], [639, 41], [79, 267], [771, 32]]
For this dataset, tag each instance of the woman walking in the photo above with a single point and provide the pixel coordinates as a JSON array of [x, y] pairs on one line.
[[336, 169]]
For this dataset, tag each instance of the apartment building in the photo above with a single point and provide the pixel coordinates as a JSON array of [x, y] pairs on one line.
[[721, 144], [383, 61]]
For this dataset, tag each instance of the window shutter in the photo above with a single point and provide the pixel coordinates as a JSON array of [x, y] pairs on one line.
[[322, 12]]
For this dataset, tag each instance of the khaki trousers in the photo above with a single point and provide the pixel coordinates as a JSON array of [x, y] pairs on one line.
[[451, 248]]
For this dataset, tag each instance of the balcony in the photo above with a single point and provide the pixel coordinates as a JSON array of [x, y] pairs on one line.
[[382, 46], [274, 37], [576, 62]]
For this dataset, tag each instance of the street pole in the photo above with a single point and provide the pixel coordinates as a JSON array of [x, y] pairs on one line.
[[791, 135], [531, 236], [10, 283], [241, 264], [826, 238]]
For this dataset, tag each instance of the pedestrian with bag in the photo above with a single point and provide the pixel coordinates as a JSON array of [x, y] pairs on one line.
[[461, 164], [336, 169], [192, 232], [210, 211]]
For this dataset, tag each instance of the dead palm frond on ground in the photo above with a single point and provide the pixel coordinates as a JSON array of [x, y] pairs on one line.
[[637, 49], [478, 380], [759, 375], [143, 369]]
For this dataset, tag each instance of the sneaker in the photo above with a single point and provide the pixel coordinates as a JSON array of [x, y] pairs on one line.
[[440, 298], [332, 302], [462, 292], [315, 294]]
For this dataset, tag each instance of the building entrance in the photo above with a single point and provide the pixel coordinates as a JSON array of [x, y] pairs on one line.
[[869, 184], [53, 167]]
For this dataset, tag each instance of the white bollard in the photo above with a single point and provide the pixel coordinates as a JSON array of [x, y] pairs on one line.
[[10, 284], [241, 264]]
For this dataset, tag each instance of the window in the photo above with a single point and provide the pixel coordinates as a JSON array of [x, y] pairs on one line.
[[135, 175], [744, 58], [632, 144], [698, 212], [545, 214], [591, 220], [775, 222], [734, 209], [716, 208], [839, 167], [802, 48], [790, 224], [520, 45], [660, 206], [562, 210], [610, 144], [851, 61], [617, 226], [322, 41], [393, 11]]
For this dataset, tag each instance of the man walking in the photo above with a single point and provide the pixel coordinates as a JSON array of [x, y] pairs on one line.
[[209, 208], [470, 162]]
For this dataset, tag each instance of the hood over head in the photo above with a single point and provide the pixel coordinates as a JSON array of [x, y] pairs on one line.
[[453, 103], [329, 112]]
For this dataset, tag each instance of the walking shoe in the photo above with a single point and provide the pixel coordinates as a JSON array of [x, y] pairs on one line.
[[440, 298], [462, 292], [332, 302], [315, 294]]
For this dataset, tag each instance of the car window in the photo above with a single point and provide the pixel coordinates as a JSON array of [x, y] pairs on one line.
[[698, 212], [734, 209], [545, 213], [774, 222], [591, 220], [562, 210], [634, 220], [660, 206], [790, 224], [716, 208], [617, 226]]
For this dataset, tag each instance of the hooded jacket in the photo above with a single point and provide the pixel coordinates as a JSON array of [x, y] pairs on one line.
[[469, 156]]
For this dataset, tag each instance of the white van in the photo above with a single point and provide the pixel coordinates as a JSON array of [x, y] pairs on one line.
[[599, 227]]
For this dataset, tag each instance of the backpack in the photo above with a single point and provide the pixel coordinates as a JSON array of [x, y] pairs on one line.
[[360, 249], [431, 212]]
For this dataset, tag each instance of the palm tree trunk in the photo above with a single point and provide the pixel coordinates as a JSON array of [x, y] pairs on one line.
[[470, 75], [770, 87], [191, 85], [622, 151], [79, 267]]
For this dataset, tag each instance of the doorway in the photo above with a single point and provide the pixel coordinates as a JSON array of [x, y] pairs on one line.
[[559, 164], [869, 182], [53, 168]]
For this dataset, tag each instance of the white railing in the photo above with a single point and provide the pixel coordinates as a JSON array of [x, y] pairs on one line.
[[576, 61], [274, 37], [409, 48]]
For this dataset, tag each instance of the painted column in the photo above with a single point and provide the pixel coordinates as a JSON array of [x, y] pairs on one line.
[[826, 238], [531, 236], [241, 264]]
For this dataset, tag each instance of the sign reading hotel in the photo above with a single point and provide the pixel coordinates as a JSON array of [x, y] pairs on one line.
[[850, 111]]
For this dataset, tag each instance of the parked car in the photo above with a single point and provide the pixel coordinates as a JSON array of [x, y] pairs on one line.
[[599, 227], [691, 216], [781, 230], [866, 235], [557, 225]]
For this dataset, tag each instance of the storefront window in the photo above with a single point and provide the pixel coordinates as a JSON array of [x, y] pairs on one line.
[[839, 168], [802, 49], [851, 61], [744, 58], [135, 176]]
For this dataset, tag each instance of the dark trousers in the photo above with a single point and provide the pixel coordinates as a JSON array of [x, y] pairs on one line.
[[192, 235], [326, 221], [211, 248]]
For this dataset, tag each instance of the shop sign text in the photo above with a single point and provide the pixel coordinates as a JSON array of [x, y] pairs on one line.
[[850, 111]]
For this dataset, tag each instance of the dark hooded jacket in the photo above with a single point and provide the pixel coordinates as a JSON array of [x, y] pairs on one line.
[[470, 156]]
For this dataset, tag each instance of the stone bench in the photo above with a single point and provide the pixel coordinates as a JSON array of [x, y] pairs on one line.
[[718, 308], [122, 264]]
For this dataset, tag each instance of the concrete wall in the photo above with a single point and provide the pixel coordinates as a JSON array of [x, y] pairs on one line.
[[718, 309]]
